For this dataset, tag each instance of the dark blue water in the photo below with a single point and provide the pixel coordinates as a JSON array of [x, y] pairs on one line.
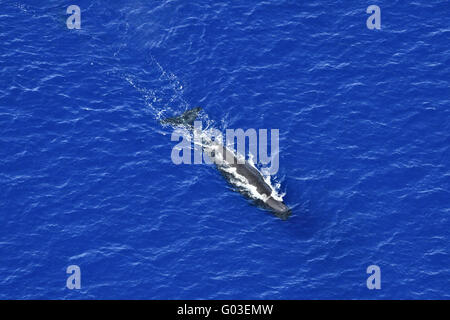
[[85, 170]]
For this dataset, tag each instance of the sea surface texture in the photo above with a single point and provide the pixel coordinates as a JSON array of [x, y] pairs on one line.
[[86, 175]]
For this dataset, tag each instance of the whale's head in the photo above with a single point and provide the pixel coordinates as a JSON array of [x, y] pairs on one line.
[[278, 208]]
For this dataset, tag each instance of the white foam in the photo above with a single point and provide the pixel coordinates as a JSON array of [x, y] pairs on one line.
[[242, 182], [154, 100]]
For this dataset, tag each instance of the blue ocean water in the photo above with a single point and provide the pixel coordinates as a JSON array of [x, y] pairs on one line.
[[87, 179]]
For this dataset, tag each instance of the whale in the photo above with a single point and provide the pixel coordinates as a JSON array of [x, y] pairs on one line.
[[241, 175]]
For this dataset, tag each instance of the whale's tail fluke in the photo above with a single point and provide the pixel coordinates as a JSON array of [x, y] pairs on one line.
[[186, 119]]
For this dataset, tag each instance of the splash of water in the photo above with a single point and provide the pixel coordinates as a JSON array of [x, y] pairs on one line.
[[168, 100]]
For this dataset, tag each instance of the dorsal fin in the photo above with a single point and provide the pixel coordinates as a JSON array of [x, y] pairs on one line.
[[186, 119]]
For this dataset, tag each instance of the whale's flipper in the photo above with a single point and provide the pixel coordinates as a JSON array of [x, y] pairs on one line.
[[186, 119]]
